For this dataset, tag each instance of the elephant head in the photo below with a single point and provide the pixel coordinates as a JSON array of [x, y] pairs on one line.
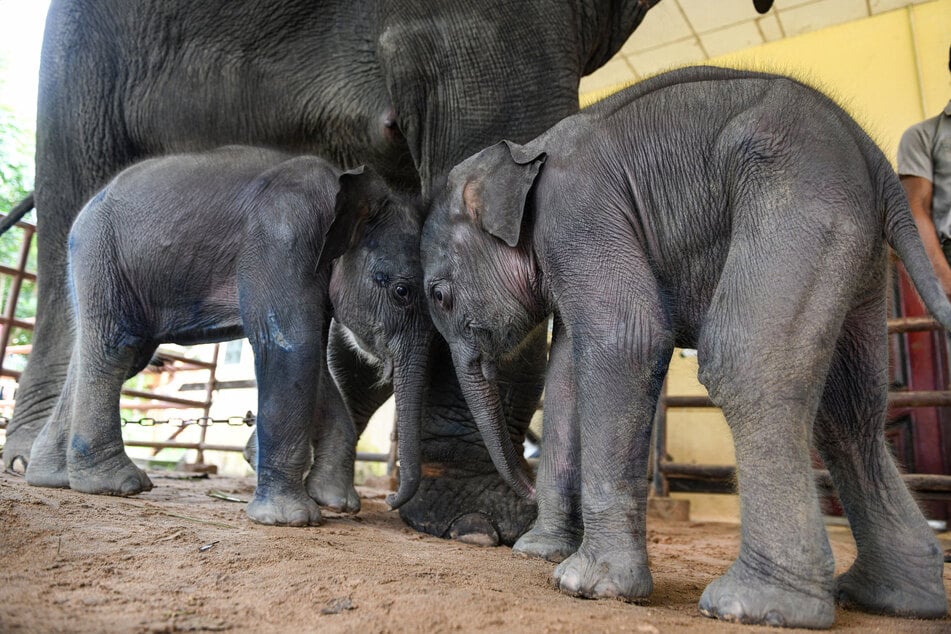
[[375, 289], [482, 283]]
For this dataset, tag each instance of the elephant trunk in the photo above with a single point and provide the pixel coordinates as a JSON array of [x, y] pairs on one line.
[[482, 396], [410, 379]]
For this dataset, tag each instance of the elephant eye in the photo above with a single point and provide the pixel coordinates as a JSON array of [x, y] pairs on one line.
[[442, 297], [402, 293]]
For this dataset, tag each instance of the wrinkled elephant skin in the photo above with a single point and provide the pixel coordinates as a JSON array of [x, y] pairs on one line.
[[240, 241], [764, 247], [408, 86]]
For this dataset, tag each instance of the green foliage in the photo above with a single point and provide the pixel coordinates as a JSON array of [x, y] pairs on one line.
[[16, 181], [16, 159]]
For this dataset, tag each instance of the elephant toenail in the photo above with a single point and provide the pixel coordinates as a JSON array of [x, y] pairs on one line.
[[730, 610], [475, 529], [775, 619]]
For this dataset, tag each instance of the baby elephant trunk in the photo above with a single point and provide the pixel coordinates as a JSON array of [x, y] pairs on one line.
[[482, 396], [410, 378]]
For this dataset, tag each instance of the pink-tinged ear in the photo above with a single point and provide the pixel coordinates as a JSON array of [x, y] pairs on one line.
[[472, 199], [505, 191], [496, 185]]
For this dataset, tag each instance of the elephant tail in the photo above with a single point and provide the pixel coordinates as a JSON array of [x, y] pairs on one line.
[[901, 232], [19, 210]]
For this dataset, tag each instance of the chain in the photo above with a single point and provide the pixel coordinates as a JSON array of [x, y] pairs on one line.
[[202, 421]]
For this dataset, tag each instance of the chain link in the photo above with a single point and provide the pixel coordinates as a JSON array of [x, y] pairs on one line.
[[202, 421]]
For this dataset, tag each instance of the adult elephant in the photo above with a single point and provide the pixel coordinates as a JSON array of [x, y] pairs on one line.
[[409, 86]]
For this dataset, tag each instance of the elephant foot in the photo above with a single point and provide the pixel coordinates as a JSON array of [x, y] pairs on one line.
[[16, 454], [17, 447], [335, 492], [913, 588], [47, 467], [475, 529], [738, 597], [472, 506], [605, 574], [549, 545], [113, 475], [284, 509], [41, 473]]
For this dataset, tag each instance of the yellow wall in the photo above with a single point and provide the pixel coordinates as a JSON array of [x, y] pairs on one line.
[[889, 72], [870, 66]]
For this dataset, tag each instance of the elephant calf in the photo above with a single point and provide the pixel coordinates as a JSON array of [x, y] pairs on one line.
[[742, 214], [198, 248]]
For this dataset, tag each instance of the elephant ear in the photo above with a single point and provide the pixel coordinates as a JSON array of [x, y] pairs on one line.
[[498, 197], [351, 212]]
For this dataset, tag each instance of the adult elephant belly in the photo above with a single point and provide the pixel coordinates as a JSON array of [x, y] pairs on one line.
[[208, 97]]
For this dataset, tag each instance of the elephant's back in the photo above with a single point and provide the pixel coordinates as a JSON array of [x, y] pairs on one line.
[[187, 191], [173, 213]]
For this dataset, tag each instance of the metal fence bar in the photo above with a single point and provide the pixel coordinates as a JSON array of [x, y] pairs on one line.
[[6, 270], [209, 393], [936, 398], [917, 482], [189, 403], [9, 313]]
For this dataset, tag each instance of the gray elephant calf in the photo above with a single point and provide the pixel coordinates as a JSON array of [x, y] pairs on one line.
[[198, 248], [742, 214]]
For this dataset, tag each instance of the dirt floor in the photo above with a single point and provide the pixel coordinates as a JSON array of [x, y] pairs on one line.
[[176, 559]]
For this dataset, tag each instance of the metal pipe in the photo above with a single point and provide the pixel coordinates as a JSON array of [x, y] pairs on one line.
[[165, 444], [209, 392], [372, 457], [197, 363], [12, 272], [923, 398], [912, 324], [17, 323], [166, 399], [918, 482]]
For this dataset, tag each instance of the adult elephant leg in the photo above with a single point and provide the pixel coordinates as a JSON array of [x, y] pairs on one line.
[[42, 381], [79, 145], [461, 494], [47, 465], [558, 528], [900, 564]]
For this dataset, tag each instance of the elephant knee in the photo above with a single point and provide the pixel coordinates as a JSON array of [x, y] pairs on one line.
[[721, 373]]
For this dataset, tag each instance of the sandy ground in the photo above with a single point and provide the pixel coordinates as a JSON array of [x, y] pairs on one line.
[[176, 559]]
